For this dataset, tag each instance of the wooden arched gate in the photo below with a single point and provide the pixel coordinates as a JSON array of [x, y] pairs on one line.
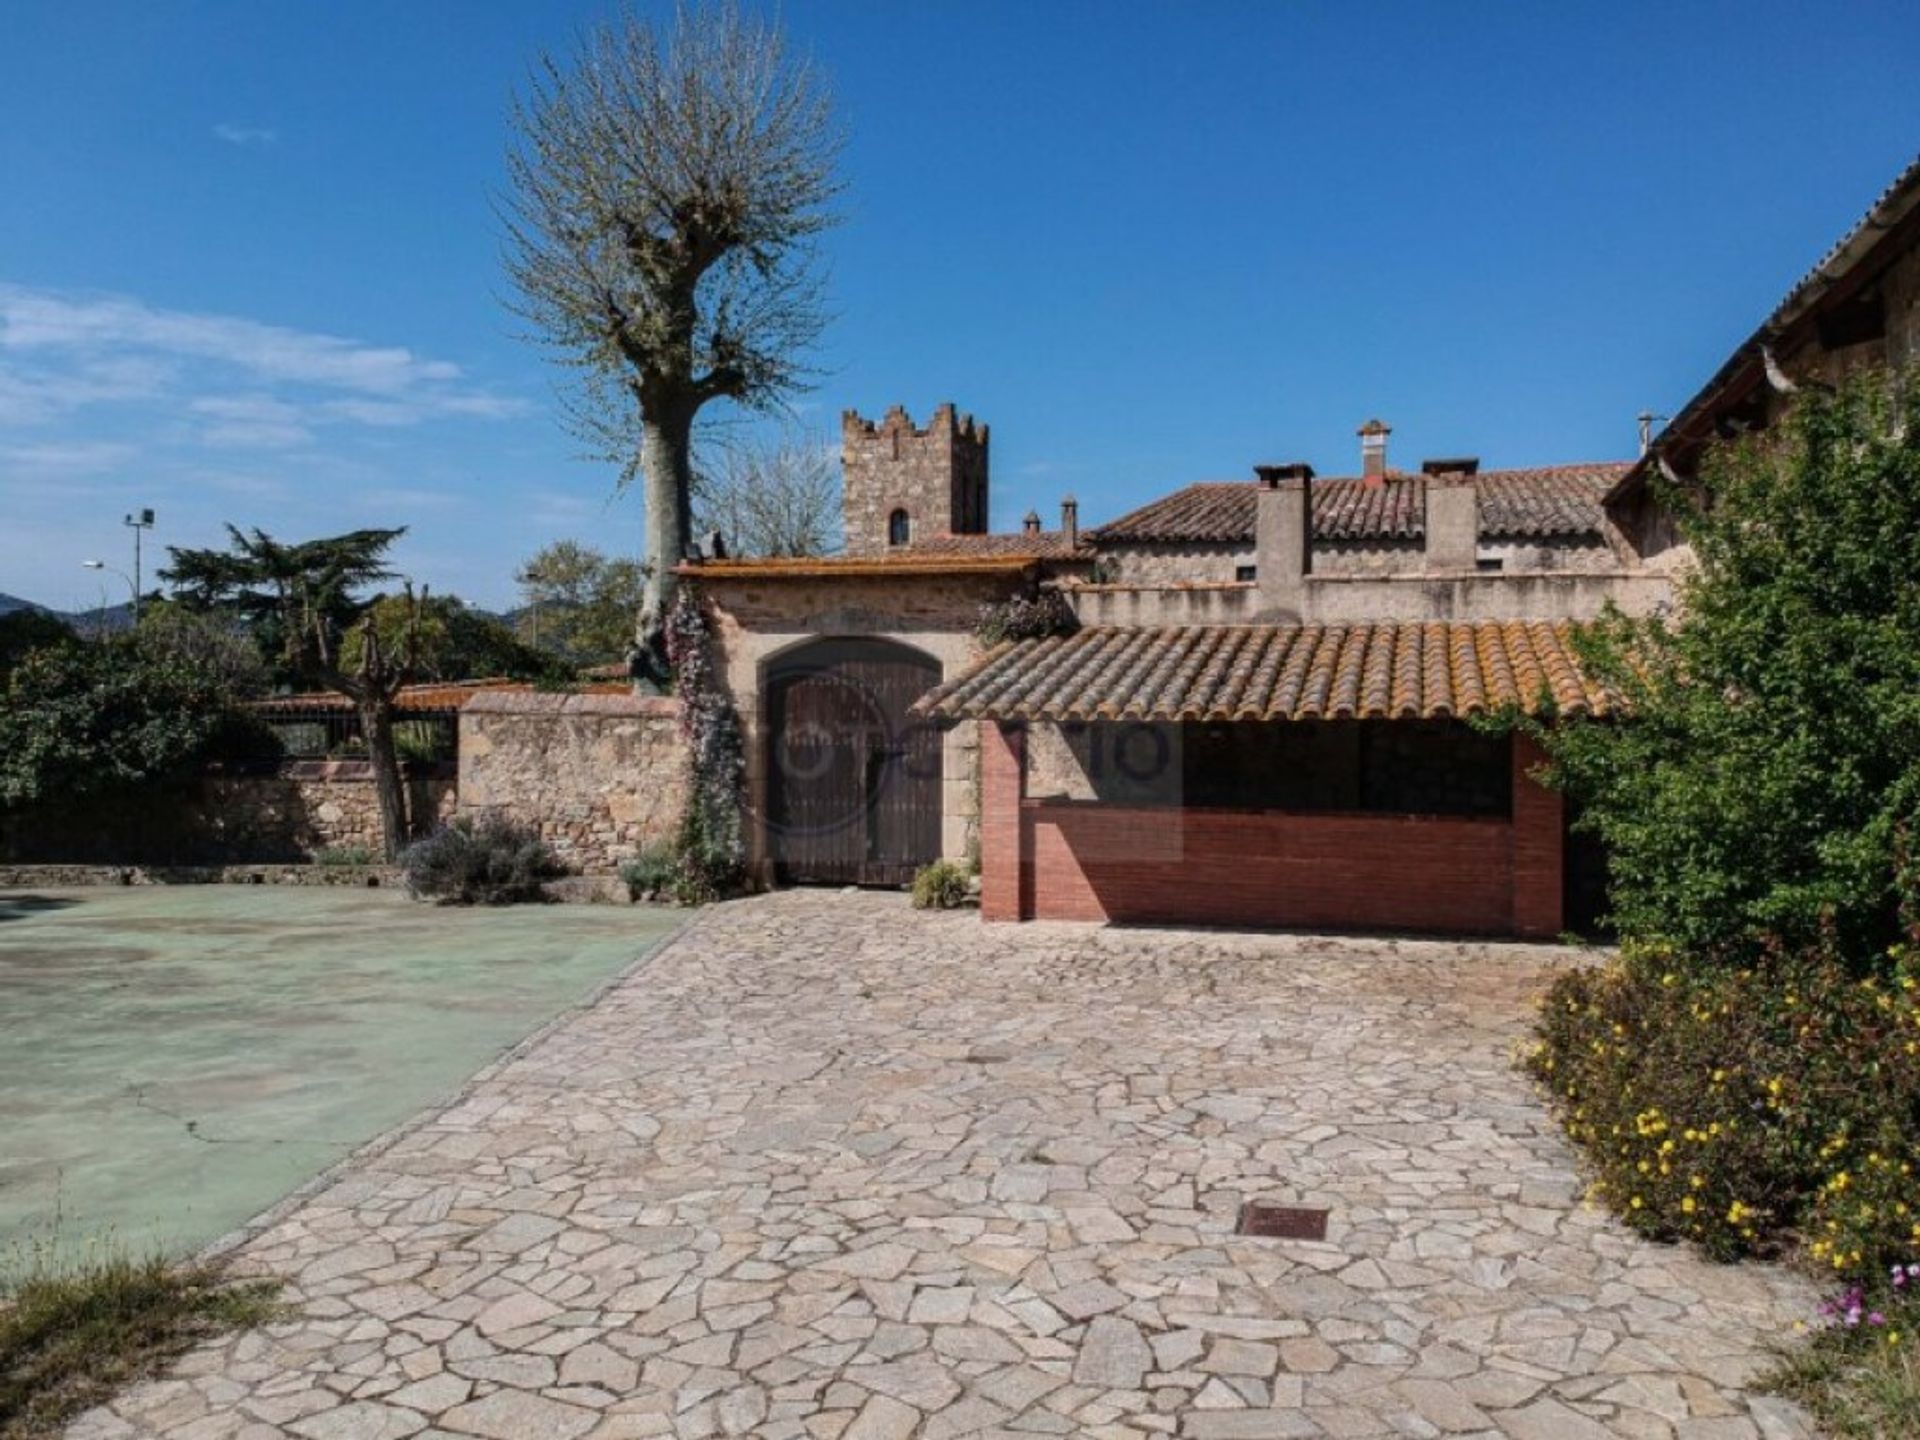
[[853, 782]]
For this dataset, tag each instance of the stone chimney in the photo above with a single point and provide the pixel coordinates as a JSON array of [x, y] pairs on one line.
[[1070, 523], [1031, 524], [1373, 450], [1453, 521], [1283, 540], [1292, 470]]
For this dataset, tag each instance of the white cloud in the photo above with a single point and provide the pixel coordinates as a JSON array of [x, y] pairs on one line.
[[32, 395], [43, 321], [245, 135], [61, 353], [108, 401]]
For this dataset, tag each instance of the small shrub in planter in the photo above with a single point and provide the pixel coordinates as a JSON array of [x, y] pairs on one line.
[[1026, 617], [489, 862], [656, 873], [344, 855], [940, 886]]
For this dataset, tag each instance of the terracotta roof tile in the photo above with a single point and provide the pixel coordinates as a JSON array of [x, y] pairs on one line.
[[1388, 670], [1555, 500]]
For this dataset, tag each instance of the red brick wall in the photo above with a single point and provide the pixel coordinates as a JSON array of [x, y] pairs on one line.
[[1003, 868], [1539, 847], [1066, 860]]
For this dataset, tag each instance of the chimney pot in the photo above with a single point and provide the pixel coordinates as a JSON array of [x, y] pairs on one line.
[[1373, 449], [1070, 523], [1451, 465], [1031, 524], [1271, 475]]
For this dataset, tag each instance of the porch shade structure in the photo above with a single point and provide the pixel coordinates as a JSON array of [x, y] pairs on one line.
[[1380, 671]]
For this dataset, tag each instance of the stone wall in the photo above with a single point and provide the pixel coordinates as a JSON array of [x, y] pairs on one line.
[[1897, 345], [598, 776], [308, 806], [1166, 565], [1359, 599], [1173, 564], [289, 812]]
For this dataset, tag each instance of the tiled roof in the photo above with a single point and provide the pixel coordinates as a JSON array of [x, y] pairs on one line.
[[1275, 672], [1017, 542], [1554, 500]]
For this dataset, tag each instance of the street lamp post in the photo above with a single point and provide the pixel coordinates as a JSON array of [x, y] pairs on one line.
[[532, 579], [133, 589], [138, 521]]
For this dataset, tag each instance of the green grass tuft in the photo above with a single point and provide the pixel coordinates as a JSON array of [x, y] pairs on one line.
[[73, 1333], [1859, 1384], [943, 885]]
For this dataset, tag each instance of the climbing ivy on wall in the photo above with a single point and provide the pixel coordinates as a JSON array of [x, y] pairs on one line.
[[712, 843]]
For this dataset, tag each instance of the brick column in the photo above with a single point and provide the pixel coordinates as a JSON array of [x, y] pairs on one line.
[[1539, 843], [1003, 784]]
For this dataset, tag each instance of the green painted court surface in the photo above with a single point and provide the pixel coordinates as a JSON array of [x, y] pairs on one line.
[[173, 1060]]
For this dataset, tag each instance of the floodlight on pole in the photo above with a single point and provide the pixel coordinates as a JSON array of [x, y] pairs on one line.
[[137, 521]]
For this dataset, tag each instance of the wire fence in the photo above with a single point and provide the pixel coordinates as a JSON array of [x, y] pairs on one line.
[[332, 736]]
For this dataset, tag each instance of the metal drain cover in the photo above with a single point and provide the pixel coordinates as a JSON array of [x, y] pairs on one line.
[[1281, 1222]]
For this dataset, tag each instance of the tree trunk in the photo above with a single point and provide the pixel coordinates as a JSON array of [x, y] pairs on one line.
[[376, 724], [666, 462]]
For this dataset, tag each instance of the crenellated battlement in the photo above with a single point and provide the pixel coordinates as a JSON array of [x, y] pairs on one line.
[[946, 420], [902, 482]]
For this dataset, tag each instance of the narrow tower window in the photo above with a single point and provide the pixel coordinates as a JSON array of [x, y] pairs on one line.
[[897, 528]]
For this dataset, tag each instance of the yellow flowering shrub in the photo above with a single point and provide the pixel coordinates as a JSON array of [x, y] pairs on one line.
[[1747, 1110]]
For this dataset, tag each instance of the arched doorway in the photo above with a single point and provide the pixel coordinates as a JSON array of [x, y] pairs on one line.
[[853, 783]]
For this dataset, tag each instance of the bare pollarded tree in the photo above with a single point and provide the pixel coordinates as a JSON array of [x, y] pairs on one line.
[[666, 193]]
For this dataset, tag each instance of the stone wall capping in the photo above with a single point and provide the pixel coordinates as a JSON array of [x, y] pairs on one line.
[[535, 702]]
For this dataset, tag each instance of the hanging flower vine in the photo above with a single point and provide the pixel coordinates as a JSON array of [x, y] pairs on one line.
[[712, 844]]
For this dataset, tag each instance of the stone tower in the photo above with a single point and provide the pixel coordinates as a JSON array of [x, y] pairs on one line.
[[900, 484]]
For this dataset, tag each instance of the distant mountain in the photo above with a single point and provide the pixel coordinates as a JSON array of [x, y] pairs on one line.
[[114, 617]]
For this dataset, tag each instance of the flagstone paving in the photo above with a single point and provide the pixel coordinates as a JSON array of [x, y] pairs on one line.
[[830, 1169]]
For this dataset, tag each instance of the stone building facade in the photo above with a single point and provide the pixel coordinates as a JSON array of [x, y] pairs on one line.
[[771, 617], [1538, 520], [904, 605], [902, 484]]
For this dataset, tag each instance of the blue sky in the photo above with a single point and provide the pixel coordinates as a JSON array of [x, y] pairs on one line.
[[249, 268]]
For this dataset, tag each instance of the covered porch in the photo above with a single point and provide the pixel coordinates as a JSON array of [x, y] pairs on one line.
[[1320, 777]]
